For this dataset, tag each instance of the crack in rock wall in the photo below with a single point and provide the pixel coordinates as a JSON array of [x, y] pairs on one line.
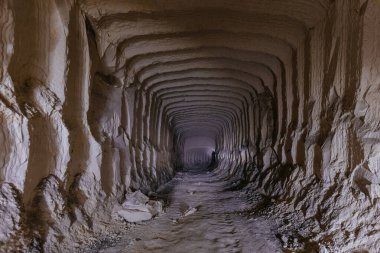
[[100, 98]]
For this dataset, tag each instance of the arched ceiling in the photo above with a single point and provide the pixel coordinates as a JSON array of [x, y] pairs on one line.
[[203, 66]]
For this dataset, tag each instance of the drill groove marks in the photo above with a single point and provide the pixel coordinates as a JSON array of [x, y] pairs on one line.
[[100, 99]]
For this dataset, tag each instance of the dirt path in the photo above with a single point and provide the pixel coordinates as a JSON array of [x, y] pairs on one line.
[[202, 217]]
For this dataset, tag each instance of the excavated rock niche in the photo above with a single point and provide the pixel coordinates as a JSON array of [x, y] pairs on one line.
[[102, 98]]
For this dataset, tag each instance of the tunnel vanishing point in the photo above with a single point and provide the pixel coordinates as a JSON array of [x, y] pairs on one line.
[[101, 99]]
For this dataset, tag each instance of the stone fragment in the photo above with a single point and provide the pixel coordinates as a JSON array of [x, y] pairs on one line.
[[190, 211], [155, 207], [138, 207], [140, 213], [136, 198]]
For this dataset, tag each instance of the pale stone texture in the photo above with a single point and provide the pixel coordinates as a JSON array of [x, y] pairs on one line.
[[98, 98]]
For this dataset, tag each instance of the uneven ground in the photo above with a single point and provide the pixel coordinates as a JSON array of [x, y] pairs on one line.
[[219, 223], [102, 98]]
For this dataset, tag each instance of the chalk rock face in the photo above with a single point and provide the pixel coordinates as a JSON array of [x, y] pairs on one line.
[[99, 98], [10, 211], [48, 212]]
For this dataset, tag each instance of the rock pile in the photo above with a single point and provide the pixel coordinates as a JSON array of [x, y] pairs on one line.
[[137, 207]]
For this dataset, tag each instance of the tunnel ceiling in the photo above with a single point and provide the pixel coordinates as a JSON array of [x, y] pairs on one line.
[[202, 65], [102, 98]]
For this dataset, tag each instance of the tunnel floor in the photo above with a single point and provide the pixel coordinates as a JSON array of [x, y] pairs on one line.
[[202, 216]]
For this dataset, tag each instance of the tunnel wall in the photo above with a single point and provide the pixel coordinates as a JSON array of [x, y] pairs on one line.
[[78, 130], [70, 134], [324, 164]]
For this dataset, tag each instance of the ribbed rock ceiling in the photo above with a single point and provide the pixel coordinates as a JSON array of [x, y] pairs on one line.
[[207, 68], [101, 100]]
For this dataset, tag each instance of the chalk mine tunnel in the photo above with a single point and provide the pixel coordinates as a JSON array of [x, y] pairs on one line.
[[103, 99]]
